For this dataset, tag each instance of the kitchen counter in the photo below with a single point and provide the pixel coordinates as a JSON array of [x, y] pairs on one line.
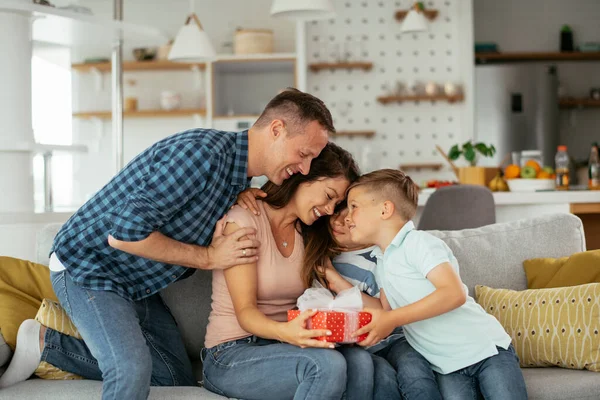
[[511, 206], [551, 197]]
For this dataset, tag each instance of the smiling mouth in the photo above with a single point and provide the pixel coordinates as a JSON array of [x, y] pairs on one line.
[[289, 171], [317, 213], [336, 232]]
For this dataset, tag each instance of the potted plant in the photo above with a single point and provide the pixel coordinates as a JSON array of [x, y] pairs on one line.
[[471, 152]]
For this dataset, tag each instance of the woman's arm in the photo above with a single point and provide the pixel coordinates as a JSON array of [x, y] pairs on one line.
[[242, 282]]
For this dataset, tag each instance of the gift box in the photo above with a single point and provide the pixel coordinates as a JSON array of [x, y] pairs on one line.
[[341, 324], [341, 314]]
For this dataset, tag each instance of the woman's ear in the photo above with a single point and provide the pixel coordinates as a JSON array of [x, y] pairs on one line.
[[387, 210]]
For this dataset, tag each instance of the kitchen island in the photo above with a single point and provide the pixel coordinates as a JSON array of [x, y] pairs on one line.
[[511, 206]]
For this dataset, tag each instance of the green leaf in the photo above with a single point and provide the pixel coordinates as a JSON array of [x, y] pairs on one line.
[[470, 154], [454, 153]]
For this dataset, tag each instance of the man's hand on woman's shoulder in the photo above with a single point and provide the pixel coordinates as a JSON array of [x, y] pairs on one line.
[[232, 248], [247, 199]]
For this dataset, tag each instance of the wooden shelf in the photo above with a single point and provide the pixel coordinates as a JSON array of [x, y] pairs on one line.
[[142, 114], [484, 58], [354, 133], [421, 97], [316, 67], [160, 65], [433, 166], [430, 14], [570, 102]]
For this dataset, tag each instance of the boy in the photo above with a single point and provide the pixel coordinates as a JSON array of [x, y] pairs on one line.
[[421, 290]]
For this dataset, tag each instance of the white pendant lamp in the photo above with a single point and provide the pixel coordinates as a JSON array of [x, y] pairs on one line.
[[305, 10], [192, 43], [415, 20]]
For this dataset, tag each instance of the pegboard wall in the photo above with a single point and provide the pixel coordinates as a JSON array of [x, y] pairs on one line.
[[406, 133]]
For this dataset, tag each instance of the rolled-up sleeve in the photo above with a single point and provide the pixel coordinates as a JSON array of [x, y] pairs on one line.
[[176, 176]]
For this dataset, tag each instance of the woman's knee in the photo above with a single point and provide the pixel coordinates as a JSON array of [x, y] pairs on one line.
[[328, 364]]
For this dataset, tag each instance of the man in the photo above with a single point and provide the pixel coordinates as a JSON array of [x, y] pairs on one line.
[[152, 225]]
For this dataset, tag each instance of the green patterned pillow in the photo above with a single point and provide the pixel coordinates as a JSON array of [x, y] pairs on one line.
[[549, 327]]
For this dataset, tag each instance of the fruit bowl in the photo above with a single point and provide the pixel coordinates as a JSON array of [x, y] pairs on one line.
[[530, 185]]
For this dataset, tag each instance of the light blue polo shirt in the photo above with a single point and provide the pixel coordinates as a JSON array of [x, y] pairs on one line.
[[451, 341]]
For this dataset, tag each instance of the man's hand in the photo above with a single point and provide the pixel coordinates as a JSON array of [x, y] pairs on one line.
[[295, 332], [247, 199], [379, 328], [239, 247]]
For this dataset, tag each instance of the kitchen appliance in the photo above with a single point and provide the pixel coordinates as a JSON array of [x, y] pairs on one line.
[[516, 109]]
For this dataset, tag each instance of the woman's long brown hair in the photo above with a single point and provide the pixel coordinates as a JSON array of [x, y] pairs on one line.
[[333, 162]]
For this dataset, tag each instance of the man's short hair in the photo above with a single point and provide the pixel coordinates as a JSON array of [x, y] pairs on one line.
[[296, 109], [392, 185]]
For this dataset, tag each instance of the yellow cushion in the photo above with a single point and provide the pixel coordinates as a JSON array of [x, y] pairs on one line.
[[549, 327], [578, 269], [23, 285], [52, 315]]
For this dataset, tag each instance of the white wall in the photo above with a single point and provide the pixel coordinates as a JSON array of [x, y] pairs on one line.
[[534, 25]]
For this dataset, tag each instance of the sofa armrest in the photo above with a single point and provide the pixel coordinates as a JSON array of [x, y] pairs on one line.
[[44, 240]]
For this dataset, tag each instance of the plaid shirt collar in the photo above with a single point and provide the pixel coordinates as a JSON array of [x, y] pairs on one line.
[[240, 172]]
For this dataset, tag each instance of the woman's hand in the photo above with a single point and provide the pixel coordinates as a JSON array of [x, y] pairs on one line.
[[295, 332], [336, 282], [247, 199]]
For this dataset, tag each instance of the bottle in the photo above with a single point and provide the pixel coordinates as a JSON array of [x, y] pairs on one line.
[[594, 169], [566, 39], [561, 164]]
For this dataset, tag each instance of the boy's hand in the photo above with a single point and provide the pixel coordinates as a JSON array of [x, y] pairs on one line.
[[336, 282], [379, 328], [247, 199]]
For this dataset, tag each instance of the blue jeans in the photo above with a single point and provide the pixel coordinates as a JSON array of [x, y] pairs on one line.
[[255, 368], [416, 379], [496, 378], [130, 345]]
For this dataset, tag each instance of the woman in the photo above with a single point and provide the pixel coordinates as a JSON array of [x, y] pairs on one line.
[[252, 352]]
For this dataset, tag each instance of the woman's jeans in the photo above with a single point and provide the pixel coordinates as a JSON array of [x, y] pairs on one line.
[[130, 345]]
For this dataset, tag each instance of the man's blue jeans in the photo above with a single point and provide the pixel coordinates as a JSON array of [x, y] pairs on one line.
[[130, 345]]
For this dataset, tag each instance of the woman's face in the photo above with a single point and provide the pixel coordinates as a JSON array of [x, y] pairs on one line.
[[339, 229], [318, 198]]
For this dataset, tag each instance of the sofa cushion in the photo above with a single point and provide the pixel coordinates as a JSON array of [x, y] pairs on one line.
[[578, 269], [493, 255], [549, 327], [561, 384], [40, 389]]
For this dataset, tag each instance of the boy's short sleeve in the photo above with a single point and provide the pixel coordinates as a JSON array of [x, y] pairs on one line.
[[428, 252]]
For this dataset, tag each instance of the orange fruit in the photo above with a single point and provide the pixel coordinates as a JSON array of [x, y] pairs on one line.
[[534, 164], [543, 175], [512, 171]]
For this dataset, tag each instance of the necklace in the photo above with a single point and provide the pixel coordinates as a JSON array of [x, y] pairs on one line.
[[284, 244]]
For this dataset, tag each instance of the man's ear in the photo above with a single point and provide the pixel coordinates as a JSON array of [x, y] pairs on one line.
[[276, 128], [387, 209]]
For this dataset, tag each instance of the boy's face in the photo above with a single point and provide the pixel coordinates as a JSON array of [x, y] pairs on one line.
[[340, 230], [364, 216]]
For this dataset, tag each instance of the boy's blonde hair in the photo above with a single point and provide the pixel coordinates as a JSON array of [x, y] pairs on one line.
[[392, 185]]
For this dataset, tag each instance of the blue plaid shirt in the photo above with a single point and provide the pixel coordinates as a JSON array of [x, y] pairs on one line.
[[181, 186]]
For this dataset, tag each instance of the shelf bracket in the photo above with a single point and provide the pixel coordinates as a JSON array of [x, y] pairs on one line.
[[97, 78]]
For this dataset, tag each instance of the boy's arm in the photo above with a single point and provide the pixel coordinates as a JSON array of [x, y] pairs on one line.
[[449, 294], [337, 283], [384, 300]]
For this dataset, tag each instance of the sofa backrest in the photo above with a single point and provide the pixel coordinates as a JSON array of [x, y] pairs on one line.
[[491, 256]]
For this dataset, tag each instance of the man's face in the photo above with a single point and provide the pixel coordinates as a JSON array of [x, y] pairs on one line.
[[292, 155], [364, 216]]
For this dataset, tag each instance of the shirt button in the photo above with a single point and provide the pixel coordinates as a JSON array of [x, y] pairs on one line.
[[148, 291], [174, 276]]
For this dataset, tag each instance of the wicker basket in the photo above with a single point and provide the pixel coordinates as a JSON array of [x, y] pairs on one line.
[[253, 41]]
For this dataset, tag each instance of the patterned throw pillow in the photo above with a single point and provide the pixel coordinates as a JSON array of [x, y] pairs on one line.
[[549, 327], [52, 315]]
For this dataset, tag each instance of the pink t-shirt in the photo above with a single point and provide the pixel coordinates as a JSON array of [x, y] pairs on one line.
[[279, 281]]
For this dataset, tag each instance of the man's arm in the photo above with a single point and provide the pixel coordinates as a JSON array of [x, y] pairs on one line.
[[225, 250]]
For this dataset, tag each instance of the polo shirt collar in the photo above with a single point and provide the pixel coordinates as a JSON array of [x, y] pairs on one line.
[[400, 236]]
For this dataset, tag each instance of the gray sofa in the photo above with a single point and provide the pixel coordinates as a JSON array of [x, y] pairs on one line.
[[491, 256]]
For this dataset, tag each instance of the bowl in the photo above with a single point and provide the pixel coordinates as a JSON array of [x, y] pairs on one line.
[[530, 185], [144, 53]]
